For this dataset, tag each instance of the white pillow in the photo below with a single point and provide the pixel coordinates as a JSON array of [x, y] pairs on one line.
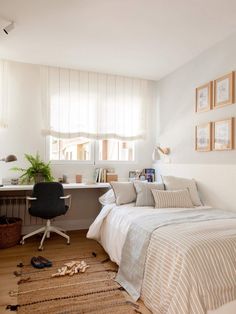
[[176, 183], [172, 199], [107, 198], [124, 192], [144, 192]]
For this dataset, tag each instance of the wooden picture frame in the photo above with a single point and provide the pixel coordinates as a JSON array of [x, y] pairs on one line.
[[203, 141], [223, 134], [224, 90], [204, 97]]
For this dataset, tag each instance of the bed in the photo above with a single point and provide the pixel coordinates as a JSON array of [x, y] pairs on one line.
[[177, 278]]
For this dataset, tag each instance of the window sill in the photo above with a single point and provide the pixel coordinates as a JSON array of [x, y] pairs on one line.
[[91, 163], [115, 162]]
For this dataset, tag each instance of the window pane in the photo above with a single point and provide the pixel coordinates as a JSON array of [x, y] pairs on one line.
[[116, 150], [126, 151], [70, 149]]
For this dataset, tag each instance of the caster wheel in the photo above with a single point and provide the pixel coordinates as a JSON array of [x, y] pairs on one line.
[[68, 243], [22, 242], [40, 248]]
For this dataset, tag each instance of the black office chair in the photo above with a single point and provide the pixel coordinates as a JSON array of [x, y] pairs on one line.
[[47, 202]]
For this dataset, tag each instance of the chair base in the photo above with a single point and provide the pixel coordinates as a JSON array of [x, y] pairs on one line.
[[46, 233]]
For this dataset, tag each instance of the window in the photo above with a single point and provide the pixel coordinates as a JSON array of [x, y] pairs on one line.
[[70, 149], [80, 149], [115, 150], [77, 105]]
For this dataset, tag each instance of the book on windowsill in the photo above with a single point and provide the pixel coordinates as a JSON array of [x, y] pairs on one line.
[[101, 175]]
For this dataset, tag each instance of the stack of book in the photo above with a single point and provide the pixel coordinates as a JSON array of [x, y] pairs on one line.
[[104, 175], [100, 175]]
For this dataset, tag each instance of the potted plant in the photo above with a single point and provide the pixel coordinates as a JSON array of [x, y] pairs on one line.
[[38, 171]]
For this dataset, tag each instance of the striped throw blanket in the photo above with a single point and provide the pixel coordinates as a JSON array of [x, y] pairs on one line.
[[184, 262]]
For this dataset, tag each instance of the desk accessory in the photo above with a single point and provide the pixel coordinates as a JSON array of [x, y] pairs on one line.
[[111, 177], [78, 178]]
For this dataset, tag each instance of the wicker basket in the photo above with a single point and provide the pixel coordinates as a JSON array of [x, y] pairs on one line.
[[10, 234]]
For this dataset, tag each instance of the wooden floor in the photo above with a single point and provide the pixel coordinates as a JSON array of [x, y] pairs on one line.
[[56, 245]]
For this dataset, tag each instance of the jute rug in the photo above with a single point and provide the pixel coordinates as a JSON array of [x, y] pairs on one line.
[[94, 291]]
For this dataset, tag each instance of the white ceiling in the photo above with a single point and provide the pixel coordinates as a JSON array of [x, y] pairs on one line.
[[143, 38]]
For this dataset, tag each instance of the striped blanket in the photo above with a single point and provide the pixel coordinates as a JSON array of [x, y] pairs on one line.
[[184, 262]]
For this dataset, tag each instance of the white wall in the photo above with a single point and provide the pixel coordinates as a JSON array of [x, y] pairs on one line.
[[23, 134], [216, 182], [215, 171]]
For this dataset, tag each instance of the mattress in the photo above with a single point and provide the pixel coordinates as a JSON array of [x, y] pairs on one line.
[[110, 229]]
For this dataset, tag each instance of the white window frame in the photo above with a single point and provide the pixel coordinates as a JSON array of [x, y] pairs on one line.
[[94, 156], [68, 162], [114, 162]]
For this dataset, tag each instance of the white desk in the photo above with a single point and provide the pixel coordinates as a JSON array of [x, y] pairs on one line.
[[68, 186], [84, 207]]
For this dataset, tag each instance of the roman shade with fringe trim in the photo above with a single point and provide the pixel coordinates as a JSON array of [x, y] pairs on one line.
[[94, 105]]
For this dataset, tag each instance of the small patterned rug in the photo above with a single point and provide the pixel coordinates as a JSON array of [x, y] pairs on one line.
[[94, 291]]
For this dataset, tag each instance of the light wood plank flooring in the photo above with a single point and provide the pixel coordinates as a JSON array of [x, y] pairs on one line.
[[9, 258]]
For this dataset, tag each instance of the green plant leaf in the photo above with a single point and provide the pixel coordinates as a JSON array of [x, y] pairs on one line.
[[37, 166]]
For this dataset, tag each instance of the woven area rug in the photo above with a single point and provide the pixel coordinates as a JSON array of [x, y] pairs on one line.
[[94, 291]]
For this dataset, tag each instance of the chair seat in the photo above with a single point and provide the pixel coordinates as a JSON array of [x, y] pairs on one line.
[[46, 214]]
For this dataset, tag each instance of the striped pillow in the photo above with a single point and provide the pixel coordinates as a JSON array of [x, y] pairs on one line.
[[177, 183], [170, 199]]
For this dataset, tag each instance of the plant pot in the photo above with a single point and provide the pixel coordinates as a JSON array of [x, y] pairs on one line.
[[39, 178]]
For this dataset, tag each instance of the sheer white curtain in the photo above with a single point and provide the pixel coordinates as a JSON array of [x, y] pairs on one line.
[[3, 94], [93, 105]]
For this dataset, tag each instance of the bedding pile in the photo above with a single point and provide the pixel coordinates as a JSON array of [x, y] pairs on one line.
[[180, 260], [134, 254], [190, 268]]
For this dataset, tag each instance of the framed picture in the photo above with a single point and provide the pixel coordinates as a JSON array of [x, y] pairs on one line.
[[204, 98], [224, 90], [223, 134], [134, 175], [203, 137]]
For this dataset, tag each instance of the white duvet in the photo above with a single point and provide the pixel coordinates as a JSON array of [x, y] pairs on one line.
[[111, 226]]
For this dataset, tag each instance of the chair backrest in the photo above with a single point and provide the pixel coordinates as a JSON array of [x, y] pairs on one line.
[[48, 204]]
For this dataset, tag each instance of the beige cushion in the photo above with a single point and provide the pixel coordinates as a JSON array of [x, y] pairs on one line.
[[124, 192], [170, 199], [144, 192], [108, 198], [176, 183]]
